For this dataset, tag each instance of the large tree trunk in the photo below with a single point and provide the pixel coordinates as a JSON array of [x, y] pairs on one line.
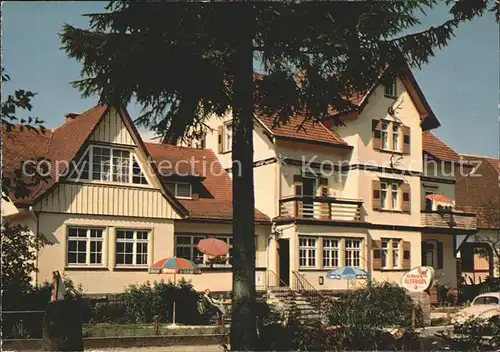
[[243, 320]]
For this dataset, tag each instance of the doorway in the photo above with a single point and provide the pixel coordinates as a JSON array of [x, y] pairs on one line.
[[284, 262]]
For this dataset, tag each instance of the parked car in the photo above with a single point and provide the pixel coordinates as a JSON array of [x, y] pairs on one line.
[[483, 306]]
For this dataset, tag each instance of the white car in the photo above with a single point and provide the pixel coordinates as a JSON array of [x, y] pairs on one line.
[[483, 306]]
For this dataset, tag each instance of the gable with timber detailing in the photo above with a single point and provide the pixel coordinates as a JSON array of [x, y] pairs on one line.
[[98, 187], [112, 129]]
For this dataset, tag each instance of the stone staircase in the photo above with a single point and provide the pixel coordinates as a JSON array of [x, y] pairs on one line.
[[285, 302], [303, 299]]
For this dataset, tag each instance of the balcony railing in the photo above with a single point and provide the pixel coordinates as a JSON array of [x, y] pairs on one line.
[[449, 219], [322, 208]]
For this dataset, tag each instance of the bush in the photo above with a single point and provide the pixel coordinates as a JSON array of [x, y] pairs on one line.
[[384, 305], [473, 335], [364, 317], [142, 303], [290, 331]]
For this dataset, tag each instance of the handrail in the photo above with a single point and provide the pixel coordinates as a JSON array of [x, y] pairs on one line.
[[453, 212], [271, 275], [314, 296], [321, 199]]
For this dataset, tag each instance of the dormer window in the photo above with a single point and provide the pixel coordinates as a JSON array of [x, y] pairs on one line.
[[100, 163], [390, 86], [180, 189]]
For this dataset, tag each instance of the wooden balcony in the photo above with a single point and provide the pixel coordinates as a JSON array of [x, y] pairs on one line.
[[448, 219], [321, 208]]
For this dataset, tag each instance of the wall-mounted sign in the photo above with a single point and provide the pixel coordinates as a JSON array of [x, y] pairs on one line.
[[418, 279]]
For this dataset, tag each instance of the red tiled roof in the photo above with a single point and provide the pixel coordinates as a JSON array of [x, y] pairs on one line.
[[202, 163], [479, 191], [68, 139], [64, 143], [437, 149], [61, 144], [297, 128], [439, 198], [495, 163], [20, 145]]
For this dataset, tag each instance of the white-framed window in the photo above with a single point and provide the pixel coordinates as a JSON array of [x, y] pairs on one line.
[[395, 137], [384, 253], [131, 247], [85, 246], [390, 86], [228, 137], [395, 196], [186, 246], [102, 163], [390, 253], [396, 249], [384, 135], [180, 189], [331, 250], [353, 252], [307, 252], [390, 194], [384, 189]]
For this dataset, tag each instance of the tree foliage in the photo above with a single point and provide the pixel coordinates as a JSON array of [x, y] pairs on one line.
[[16, 183], [184, 62], [19, 254], [178, 60]]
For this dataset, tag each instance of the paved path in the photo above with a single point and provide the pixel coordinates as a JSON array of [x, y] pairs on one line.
[[201, 348]]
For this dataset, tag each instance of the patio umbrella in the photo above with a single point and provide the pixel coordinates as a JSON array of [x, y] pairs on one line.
[[174, 265], [347, 273], [213, 247]]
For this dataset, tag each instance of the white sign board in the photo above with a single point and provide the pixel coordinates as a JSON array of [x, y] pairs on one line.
[[418, 279]]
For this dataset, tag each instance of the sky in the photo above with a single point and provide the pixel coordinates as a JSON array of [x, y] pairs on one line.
[[461, 83]]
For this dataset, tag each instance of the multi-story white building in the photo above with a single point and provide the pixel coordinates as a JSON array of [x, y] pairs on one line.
[[374, 193]]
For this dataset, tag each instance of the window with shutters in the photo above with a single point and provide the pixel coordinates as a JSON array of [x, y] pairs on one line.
[[391, 254], [429, 254], [432, 253], [393, 195], [228, 137], [390, 136], [307, 252]]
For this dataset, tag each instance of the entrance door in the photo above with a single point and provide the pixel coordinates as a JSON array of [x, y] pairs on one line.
[[308, 190], [284, 253]]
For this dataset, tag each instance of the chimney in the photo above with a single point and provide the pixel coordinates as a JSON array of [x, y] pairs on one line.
[[70, 116]]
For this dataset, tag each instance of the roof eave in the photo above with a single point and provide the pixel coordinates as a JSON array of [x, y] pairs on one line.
[[335, 145]]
